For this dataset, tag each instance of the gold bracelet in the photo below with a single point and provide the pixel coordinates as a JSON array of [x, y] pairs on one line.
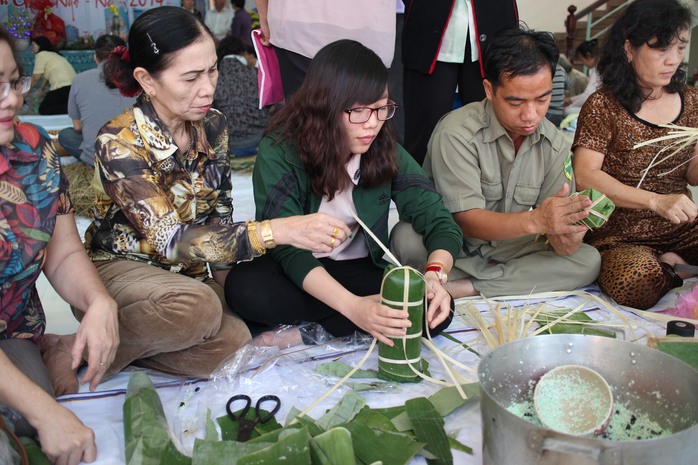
[[254, 239], [267, 235]]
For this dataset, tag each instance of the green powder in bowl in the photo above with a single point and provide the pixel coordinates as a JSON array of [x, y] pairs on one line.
[[573, 399], [626, 424]]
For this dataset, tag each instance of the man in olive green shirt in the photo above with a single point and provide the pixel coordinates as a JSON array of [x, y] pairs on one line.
[[505, 174]]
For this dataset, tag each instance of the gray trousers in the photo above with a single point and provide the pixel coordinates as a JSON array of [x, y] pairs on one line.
[[520, 266], [25, 355]]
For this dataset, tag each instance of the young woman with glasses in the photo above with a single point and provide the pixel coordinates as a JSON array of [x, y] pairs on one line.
[[332, 149]]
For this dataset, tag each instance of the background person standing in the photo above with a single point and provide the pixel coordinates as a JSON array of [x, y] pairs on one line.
[[443, 42]]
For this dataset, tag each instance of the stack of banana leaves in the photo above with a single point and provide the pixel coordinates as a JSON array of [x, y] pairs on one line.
[[350, 433]]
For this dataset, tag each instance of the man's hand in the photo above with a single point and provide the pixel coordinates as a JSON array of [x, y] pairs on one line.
[[566, 244], [559, 214]]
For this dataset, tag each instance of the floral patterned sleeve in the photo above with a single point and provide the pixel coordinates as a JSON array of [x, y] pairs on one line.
[[163, 205]]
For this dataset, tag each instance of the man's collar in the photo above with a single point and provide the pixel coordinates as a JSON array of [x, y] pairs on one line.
[[493, 129]]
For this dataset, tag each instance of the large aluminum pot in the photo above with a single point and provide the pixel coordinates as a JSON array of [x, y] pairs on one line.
[[645, 379]]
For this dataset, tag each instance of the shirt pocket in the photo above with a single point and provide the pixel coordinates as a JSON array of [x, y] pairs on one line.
[[526, 195], [492, 190]]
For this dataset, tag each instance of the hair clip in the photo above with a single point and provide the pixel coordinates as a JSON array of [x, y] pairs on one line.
[[155, 47]]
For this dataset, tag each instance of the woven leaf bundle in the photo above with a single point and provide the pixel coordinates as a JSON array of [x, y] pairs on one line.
[[600, 210], [403, 289]]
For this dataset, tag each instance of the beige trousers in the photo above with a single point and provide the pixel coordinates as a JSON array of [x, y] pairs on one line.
[[168, 321]]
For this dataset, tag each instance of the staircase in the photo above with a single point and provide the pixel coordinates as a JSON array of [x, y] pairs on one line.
[[589, 23]]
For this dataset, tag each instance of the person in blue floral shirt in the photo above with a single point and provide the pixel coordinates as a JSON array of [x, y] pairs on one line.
[[38, 233]]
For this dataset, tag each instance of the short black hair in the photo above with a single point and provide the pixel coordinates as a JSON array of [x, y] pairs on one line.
[[519, 52], [588, 49], [105, 44], [231, 45], [44, 44], [239, 3]]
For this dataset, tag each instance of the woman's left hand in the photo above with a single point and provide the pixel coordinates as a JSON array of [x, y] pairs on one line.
[[99, 334], [439, 300]]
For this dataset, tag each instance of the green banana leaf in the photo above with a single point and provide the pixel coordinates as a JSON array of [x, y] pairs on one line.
[[146, 432], [445, 401], [601, 208], [343, 412], [293, 446], [428, 427], [390, 448], [223, 452], [340, 370], [572, 328], [372, 434], [333, 447], [34, 453], [374, 419]]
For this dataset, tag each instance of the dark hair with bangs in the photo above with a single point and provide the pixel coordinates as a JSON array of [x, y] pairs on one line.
[[342, 75], [642, 21], [519, 51], [154, 38]]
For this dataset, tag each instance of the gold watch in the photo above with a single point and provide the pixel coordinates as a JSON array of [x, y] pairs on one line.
[[267, 235]]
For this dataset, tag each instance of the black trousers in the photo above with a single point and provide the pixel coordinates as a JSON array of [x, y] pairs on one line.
[[260, 293], [55, 102], [293, 67], [428, 97]]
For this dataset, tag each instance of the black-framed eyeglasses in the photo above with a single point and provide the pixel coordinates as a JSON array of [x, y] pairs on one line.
[[19, 86], [360, 115]]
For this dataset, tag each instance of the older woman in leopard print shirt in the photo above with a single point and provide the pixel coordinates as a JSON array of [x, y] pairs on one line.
[[643, 88], [164, 209]]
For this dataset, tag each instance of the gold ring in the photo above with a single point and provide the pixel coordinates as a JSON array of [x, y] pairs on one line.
[[332, 242], [102, 363], [335, 232]]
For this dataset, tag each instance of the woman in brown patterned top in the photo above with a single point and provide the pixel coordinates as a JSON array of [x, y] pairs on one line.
[[164, 212], [643, 88]]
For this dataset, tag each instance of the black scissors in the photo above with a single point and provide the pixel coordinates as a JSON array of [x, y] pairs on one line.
[[246, 426]]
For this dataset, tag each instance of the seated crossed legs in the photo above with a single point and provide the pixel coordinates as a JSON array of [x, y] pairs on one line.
[[516, 267], [170, 322]]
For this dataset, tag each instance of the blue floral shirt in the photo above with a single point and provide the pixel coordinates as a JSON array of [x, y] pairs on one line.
[[33, 190]]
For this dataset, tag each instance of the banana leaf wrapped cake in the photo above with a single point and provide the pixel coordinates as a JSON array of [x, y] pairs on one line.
[[600, 210]]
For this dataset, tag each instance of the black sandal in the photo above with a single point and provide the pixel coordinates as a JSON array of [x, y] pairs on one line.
[[672, 279]]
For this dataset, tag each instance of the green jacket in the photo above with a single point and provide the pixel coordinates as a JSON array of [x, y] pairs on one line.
[[282, 188]]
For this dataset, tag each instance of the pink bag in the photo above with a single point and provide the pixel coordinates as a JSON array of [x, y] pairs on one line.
[[271, 90]]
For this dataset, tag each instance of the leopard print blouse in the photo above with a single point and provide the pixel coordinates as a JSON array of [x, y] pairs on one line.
[[607, 127], [158, 205]]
